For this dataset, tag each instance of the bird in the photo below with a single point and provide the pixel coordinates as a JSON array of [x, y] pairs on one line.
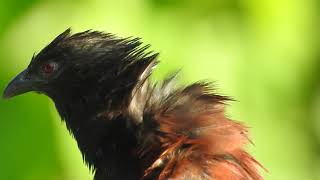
[[129, 127]]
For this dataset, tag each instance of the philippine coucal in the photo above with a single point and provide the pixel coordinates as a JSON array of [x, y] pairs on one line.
[[128, 128]]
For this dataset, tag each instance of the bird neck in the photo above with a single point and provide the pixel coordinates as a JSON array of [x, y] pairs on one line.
[[105, 137]]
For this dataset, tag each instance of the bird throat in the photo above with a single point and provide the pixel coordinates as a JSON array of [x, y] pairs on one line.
[[107, 143]]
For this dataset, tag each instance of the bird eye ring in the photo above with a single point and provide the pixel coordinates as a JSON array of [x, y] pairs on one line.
[[48, 68]]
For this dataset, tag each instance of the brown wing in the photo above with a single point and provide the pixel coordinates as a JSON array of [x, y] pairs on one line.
[[185, 135]]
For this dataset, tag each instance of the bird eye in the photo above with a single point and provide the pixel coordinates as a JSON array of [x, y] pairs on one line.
[[48, 68]]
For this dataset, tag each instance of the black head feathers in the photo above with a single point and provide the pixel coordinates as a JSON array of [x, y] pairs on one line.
[[96, 47], [98, 60]]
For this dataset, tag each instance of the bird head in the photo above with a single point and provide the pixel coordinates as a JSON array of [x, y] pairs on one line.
[[74, 64]]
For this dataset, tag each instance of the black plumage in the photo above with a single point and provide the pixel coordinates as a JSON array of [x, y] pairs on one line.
[[127, 127]]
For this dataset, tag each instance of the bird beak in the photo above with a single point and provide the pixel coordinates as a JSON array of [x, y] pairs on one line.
[[19, 85]]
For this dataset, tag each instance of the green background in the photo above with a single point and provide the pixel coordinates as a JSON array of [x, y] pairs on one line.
[[264, 53]]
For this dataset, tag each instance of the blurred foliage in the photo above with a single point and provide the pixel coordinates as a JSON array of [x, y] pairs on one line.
[[263, 53]]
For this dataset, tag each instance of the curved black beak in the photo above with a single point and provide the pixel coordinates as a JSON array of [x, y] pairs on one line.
[[19, 85]]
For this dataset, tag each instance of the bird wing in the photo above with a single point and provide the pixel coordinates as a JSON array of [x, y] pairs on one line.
[[185, 134]]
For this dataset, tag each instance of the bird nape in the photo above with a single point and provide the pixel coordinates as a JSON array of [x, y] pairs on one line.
[[129, 128]]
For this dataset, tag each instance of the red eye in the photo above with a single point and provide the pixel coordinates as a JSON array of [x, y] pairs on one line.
[[48, 67]]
